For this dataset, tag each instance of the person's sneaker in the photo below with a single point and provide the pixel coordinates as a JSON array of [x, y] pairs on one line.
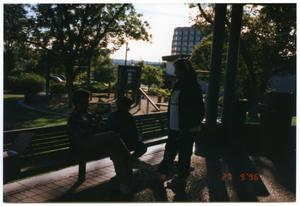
[[177, 184], [125, 189], [165, 177], [136, 163], [139, 153]]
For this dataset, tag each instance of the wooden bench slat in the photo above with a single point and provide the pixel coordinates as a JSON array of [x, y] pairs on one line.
[[49, 144], [49, 139], [42, 148], [43, 135]]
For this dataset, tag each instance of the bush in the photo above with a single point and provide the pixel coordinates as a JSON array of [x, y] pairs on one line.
[[159, 92], [59, 88], [98, 87], [26, 83]]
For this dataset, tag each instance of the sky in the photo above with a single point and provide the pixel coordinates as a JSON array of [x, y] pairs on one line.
[[163, 18]]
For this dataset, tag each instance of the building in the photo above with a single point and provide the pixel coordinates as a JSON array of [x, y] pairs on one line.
[[184, 40]]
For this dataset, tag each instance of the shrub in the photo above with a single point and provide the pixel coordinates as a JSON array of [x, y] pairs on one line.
[[98, 87], [27, 83], [59, 88], [159, 92]]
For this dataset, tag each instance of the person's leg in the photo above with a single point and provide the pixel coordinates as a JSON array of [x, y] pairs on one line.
[[111, 144], [185, 149], [170, 153], [139, 149]]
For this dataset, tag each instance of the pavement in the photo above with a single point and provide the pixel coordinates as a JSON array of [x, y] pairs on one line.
[[212, 179]]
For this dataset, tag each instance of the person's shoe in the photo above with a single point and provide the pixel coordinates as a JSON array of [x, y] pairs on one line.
[[139, 153], [165, 177], [125, 189], [135, 163], [162, 177], [177, 185]]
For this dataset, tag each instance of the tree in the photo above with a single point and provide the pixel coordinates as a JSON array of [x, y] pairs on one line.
[[14, 25], [103, 69], [73, 32], [267, 44], [151, 75]]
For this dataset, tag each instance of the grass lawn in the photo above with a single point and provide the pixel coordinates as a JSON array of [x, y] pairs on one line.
[[17, 117]]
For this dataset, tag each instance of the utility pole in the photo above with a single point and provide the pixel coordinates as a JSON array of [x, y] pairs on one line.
[[126, 50]]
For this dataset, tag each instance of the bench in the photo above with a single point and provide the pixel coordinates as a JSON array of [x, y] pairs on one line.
[[49, 148]]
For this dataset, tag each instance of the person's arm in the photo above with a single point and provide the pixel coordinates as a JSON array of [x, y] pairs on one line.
[[191, 108], [79, 130], [111, 123], [133, 129]]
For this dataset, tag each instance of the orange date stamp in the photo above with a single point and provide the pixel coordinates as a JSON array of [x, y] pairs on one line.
[[251, 177]]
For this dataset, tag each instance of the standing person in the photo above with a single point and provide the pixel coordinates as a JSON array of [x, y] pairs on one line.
[[88, 135], [186, 112], [122, 122]]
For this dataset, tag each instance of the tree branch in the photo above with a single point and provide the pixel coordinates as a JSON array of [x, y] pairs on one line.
[[206, 17], [41, 46], [106, 29]]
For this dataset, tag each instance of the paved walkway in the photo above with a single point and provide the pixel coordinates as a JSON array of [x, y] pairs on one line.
[[212, 180]]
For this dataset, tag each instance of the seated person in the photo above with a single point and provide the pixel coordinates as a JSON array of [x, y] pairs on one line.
[[89, 136], [122, 122]]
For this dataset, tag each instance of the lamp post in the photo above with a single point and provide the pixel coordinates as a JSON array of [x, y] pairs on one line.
[[126, 50]]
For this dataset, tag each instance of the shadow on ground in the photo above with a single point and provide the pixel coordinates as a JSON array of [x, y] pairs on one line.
[[147, 187], [205, 183]]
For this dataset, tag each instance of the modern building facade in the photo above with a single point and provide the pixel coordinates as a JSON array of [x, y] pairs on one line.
[[184, 40]]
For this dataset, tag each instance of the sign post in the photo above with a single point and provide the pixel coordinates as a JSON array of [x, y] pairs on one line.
[[129, 78]]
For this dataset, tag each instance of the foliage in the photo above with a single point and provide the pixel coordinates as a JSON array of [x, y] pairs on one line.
[[200, 53], [104, 69], [98, 87], [74, 32], [27, 83], [151, 75], [14, 26], [159, 92], [58, 88], [267, 45], [80, 78], [105, 74]]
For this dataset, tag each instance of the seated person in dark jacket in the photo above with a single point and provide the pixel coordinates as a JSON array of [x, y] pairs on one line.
[[88, 136], [122, 122]]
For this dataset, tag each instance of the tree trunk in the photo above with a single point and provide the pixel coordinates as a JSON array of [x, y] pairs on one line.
[[88, 79], [47, 80], [70, 76], [9, 63], [254, 93], [265, 77], [69, 85]]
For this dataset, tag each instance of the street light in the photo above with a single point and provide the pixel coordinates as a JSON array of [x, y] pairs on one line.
[[126, 50]]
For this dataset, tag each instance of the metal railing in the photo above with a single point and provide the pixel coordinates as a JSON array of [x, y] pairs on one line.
[[149, 100]]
